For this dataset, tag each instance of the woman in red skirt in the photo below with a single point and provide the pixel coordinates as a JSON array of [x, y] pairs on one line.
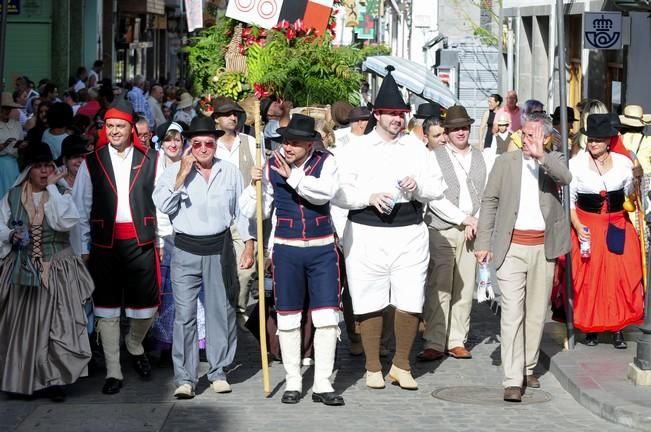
[[606, 259]]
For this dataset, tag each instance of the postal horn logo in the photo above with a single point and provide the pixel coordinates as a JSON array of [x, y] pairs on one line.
[[602, 35]]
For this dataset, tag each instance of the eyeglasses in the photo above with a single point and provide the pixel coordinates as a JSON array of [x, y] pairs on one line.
[[198, 145]]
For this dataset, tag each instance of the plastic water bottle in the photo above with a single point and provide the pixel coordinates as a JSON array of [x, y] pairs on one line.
[[268, 286], [22, 232], [585, 245], [395, 196], [484, 276]]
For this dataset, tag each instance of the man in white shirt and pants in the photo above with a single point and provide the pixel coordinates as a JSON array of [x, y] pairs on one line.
[[385, 181]]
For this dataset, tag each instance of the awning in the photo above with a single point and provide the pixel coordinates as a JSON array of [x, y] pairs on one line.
[[414, 77]]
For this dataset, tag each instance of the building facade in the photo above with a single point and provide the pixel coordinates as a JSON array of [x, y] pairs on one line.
[[529, 60]]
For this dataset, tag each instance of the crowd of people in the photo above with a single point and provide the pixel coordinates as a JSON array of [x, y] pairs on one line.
[[132, 208]]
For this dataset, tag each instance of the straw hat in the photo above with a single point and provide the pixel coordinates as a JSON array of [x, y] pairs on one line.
[[8, 101], [185, 101], [634, 116], [503, 119]]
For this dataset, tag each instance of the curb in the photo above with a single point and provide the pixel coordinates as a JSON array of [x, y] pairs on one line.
[[588, 392]]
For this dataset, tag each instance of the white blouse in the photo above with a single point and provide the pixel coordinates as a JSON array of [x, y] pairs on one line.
[[586, 179]]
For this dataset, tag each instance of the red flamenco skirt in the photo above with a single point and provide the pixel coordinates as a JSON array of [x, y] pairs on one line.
[[608, 290]]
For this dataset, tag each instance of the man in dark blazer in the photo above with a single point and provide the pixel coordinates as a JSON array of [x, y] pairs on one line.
[[523, 233]]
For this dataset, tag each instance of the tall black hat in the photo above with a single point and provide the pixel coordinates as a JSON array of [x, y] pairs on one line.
[[389, 97]]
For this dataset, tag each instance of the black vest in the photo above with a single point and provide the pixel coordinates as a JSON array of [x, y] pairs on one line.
[[104, 208]]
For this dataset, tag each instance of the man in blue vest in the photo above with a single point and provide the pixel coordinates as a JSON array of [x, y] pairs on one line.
[[116, 236], [301, 181]]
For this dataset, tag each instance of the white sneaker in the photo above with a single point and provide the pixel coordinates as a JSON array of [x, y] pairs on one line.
[[221, 386], [184, 391], [307, 361]]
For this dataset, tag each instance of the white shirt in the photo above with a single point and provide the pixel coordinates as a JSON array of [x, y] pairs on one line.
[[156, 111], [316, 190], [82, 193], [79, 85], [373, 165], [490, 153], [443, 207], [586, 179], [60, 212], [529, 214], [233, 155]]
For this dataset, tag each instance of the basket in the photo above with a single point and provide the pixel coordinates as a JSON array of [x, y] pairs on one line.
[[235, 61]]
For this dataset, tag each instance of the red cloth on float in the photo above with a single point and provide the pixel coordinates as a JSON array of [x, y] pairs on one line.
[[608, 290], [617, 146]]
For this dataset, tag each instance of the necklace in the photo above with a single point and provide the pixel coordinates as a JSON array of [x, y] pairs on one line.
[[603, 161]]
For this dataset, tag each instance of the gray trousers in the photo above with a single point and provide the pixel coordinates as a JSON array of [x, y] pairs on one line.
[[188, 273]]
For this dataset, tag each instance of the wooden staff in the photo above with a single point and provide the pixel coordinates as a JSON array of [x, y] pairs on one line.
[[641, 222], [262, 316]]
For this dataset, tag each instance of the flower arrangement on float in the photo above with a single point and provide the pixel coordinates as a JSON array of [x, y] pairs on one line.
[[288, 61]]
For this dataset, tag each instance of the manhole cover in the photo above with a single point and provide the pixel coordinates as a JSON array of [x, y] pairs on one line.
[[478, 395]]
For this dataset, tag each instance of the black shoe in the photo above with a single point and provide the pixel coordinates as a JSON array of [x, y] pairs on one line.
[[142, 366], [619, 342], [330, 398], [56, 393], [112, 386], [291, 397], [591, 339]]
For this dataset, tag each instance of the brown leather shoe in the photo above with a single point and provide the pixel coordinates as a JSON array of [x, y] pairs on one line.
[[513, 394], [531, 381], [459, 353], [430, 354]]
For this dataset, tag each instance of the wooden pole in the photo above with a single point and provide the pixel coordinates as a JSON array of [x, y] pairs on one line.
[[266, 388], [641, 223]]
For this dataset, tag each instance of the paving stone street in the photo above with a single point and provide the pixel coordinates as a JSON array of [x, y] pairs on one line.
[[149, 406]]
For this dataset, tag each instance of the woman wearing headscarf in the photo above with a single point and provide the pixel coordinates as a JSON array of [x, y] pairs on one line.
[[43, 285]]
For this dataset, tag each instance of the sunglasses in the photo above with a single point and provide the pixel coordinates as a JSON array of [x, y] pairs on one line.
[[208, 145]]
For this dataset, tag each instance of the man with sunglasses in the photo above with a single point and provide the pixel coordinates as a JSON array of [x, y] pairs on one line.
[[238, 149], [300, 182], [200, 195], [116, 236]]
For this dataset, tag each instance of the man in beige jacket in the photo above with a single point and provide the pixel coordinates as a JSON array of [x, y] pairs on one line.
[[523, 233]]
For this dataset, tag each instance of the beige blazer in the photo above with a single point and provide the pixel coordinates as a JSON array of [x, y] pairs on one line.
[[501, 201]]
